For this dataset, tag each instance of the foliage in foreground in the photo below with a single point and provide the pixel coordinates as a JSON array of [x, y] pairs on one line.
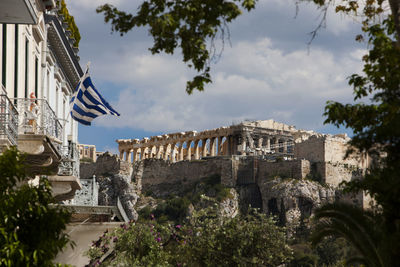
[[361, 228], [376, 127], [31, 231], [205, 240], [330, 252]]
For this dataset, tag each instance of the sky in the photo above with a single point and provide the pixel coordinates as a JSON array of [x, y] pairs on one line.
[[268, 71]]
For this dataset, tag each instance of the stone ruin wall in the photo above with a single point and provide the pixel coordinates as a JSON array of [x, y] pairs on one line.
[[297, 169], [162, 178], [326, 154]]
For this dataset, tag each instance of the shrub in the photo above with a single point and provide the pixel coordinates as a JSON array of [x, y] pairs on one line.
[[31, 230], [206, 240]]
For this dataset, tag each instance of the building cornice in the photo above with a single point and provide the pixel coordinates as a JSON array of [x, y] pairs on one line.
[[63, 51]]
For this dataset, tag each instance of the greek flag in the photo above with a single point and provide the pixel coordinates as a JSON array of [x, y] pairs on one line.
[[87, 104]]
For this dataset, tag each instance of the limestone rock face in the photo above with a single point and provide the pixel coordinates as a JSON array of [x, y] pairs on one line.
[[118, 186], [292, 200], [229, 207], [114, 177]]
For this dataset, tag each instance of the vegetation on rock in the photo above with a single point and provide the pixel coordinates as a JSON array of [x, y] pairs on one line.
[[175, 208]]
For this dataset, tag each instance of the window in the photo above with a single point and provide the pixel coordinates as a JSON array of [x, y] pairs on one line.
[[48, 86], [36, 77], [26, 66], [16, 62], [4, 56], [57, 98]]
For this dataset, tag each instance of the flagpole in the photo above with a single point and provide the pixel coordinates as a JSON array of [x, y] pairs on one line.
[[80, 80]]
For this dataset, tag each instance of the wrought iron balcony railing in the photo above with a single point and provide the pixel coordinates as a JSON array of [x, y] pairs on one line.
[[70, 161], [37, 117], [8, 119]]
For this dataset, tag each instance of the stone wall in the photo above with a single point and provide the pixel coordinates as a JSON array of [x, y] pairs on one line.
[[335, 173], [329, 163], [297, 169], [328, 148], [106, 164], [312, 149], [335, 151], [162, 178]]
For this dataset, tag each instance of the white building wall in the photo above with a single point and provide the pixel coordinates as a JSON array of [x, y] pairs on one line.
[[51, 81]]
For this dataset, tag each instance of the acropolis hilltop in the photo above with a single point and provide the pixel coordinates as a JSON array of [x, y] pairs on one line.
[[267, 140]]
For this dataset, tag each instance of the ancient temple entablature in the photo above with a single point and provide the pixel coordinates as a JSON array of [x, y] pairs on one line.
[[246, 138]]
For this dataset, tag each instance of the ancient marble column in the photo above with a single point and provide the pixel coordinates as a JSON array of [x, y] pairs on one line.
[[196, 149], [220, 138], [285, 143], [158, 152], [134, 151], [204, 147], [268, 144], [180, 151], [227, 146], [139, 154], [165, 151], [231, 145], [276, 145], [212, 146], [121, 155], [243, 152], [259, 142], [173, 152], [129, 156], [189, 150]]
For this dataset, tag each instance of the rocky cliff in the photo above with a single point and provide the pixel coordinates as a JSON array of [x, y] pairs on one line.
[[114, 177], [292, 201]]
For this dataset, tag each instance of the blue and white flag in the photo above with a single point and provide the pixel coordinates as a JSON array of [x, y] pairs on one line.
[[87, 104]]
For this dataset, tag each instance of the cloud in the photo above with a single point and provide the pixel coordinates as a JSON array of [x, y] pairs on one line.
[[253, 80], [267, 73]]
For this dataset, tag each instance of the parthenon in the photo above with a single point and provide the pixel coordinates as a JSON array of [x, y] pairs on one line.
[[246, 138]]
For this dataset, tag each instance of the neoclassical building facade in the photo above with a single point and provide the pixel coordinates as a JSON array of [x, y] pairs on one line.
[[39, 69]]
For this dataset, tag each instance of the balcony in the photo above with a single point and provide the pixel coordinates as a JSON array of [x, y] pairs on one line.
[[66, 182], [39, 135], [8, 121], [23, 11], [70, 161]]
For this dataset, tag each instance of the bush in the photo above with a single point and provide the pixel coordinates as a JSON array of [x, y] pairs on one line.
[[174, 209], [207, 240], [31, 230]]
